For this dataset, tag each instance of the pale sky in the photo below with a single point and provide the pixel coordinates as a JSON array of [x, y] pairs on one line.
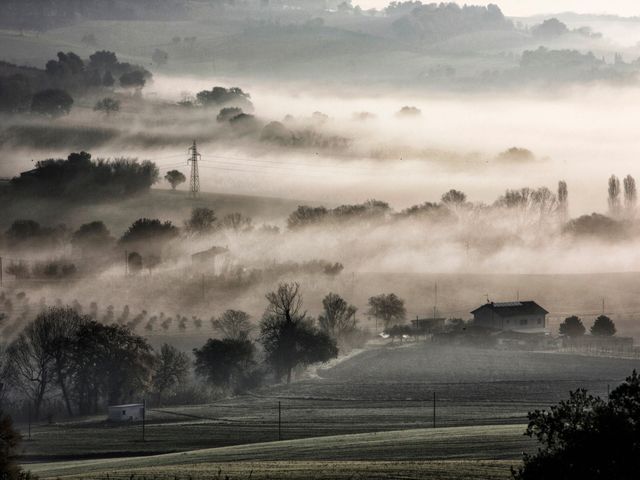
[[530, 7]]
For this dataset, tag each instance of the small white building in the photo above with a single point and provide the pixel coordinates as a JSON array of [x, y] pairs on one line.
[[133, 412]]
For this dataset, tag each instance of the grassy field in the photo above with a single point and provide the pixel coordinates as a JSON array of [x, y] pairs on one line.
[[319, 470], [384, 389], [397, 450]]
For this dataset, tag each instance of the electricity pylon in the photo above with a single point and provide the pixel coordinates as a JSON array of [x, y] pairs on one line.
[[194, 183]]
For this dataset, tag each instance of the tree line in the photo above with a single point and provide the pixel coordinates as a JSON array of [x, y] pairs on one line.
[[50, 91], [86, 364]]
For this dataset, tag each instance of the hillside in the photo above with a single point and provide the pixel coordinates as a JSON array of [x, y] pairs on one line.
[[393, 448], [158, 203]]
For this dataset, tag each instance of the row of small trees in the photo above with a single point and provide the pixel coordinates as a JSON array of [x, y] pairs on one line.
[[572, 326], [88, 364], [627, 205]]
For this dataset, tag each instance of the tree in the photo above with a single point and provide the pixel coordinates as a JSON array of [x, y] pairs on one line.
[[614, 196], [175, 178], [133, 79], [563, 201], [228, 113], [91, 236], [338, 318], [409, 111], [146, 230], [103, 60], [288, 337], [40, 356], [630, 196], [551, 27], [108, 80], [233, 324], [52, 102], [109, 364], [220, 96], [203, 220], [107, 106], [454, 198], [603, 327], [236, 222], [572, 327], [305, 216], [30, 363], [529, 205], [63, 323], [388, 308], [9, 442], [586, 437], [134, 263], [224, 362], [171, 368]]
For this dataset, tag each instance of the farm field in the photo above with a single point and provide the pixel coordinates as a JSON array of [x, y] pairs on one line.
[[384, 389], [410, 450]]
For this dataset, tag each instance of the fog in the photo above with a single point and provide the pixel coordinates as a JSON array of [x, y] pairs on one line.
[[579, 134]]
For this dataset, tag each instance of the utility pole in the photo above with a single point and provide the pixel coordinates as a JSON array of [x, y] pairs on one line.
[[602, 305], [194, 183], [435, 299], [434, 409], [279, 421], [144, 414]]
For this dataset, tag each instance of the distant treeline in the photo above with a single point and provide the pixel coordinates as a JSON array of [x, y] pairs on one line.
[[45, 14], [81, 177], [50, 91]]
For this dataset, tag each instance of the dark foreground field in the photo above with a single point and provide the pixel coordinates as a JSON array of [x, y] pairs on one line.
[[376, 405]]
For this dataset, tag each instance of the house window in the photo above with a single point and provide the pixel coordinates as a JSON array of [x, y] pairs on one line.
[[124, 412], [539, 321], [523, 321]]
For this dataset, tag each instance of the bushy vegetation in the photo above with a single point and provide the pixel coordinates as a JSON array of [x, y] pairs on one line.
[[587, 437], [81, 177], [51, 91]]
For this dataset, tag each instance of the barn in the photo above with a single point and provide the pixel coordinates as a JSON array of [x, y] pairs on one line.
[[132, 412], [526, 316]]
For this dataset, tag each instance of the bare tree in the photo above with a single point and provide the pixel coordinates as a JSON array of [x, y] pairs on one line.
[[338, 318], [286, 302], [288, 338], [63, 324], [531, 206], [233, 324], [30, 364], [236, 222], [614, 196], [630, 196], [563, 201], [40, 356]]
